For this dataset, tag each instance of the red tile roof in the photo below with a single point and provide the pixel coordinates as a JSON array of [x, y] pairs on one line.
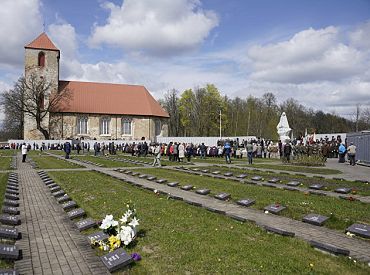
[[105, 98], [42, 42]]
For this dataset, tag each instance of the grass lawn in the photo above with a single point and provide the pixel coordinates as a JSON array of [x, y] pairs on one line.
[[8, 152], [176, 238], [3, 182], [294, 168], [50, 162], [344, 212], [5, 163], [105, 162], [330, 184]]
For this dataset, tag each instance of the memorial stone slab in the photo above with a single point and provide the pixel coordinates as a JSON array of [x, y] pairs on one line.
[[12, 187], [274, 208], [173, 184], [274, 180], [294, 183], [98, 236], [195, 169], [362, 230], [151, 178], [205, 171], [116, 259], [161, 181], [216, 172], [58, 193], [279, 231], [187, 187], [10, 210], [135, 174], [316, 186], [69, 205], [85, 224], [63, 198], [246, 202], [128, 172], [11, 196], [343, 190], [242, 176], [329, 248], [222, 196], [290, 188], [9, 219], [76, 213], [228, 174], [315, 219], [49, 182], [9, 233], [13, 181], [11, 191], [203, 191], [143, 176], [256, 178], [53, 185], [10, 252], [11, 203]]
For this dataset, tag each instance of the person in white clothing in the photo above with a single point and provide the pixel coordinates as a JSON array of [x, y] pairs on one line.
[[24, 152]]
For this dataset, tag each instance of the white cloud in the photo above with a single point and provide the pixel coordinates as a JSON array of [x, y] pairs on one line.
[[161, 27], [20, 22]]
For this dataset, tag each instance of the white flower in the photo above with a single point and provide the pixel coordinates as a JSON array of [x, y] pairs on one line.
[[128, 213], [124, 219], [126, 234], [108, 222], [134, 222], [155, 191], [266, 212]]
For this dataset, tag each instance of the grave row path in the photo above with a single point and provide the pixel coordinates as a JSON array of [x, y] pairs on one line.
[[359, 249], [50, 243]]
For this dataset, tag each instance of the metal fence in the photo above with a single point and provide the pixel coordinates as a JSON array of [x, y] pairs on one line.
[[362, 142]]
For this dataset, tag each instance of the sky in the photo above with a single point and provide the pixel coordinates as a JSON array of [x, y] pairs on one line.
[[315, 51]]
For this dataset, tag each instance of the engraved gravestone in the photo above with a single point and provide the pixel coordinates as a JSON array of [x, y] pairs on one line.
[[151, 178], [329, 248], [205, 171], [161, 181], [11, 196], [11, 203], [58, 193], [343, 190], [98, 236], [135, 174], [228, 174], [53, 185], [203, 191], [274, 208], [242, 176], [9, 219], [246, 202], [274, 180], [49, 182], [257, 178], [216, 172], [173, 184], [293, 183], [10, 252], [316, 186], [69, 205], [187, 187], [362, 230], [85, 224], [9, 233], [222, 196], [15, 181], [116, 259], [11, 191], [76, 213], [63, 198], [195, 169], [12, 187], [315, 219], [10, 210], [143, 176]]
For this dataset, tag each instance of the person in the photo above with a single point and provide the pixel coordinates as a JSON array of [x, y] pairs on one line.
[[189, 151], [351, 152], [181, 152], [342, 153], [203, 149], [249, 149], [67, 149], [287, 151], [227, 151], [24, 152], [157, 156]]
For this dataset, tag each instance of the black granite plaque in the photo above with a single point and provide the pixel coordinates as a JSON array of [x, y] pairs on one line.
[[11, 191], [116, 259], [10, 252], [315, 219], [58, 193], [128, 172], [274, 180], [12, 187], [9, 233], [294, 183], [329, 248], [63, 198], [246, 202], [15, 181], [98, 236], [290, 188], [11, 203], [49, 182], [161, 181], [195, 169], [11, 196], [228, 174], [256, 178], [343, 190], [205, 171], [151, 178], [187, 187], [135, 174], [279, 231], [175, 197], [69, 205], [143, 176], [173, 184], [76, 213], [222, 196], [203, 191], [316, 186], [55, 189], [274, 208], [242, 176], [9, 219], [216, 172], [362, 230], [85, 224], [10, 210]]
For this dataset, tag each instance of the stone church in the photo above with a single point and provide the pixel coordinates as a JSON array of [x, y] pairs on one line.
[[93, 110]]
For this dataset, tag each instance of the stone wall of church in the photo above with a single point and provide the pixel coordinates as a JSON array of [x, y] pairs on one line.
[[65, 126]]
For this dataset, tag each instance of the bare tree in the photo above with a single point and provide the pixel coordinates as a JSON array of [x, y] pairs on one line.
[[34, 97]]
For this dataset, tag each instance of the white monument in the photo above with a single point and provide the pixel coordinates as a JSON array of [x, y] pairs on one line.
[[283, 129]]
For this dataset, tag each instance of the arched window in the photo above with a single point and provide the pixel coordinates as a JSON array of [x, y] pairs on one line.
[[158, 127], [41, 59], [104, 125], [82, 125], [126, 126]]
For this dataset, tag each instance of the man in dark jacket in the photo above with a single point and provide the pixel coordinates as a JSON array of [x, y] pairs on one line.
[[67, 149]]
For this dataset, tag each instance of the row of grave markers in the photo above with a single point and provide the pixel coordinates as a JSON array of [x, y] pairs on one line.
[[9, 219], [361, 230], [114, 260]]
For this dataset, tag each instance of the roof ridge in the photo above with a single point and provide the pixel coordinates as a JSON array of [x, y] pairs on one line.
[[42, 42], [94, 82]]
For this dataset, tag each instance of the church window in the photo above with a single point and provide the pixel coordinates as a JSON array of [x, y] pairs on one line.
[[82, 125], [104, 126], [126, 127], [41, 59], [158, 127]]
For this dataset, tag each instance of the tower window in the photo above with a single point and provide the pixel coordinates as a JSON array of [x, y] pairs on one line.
[[41, 59]]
